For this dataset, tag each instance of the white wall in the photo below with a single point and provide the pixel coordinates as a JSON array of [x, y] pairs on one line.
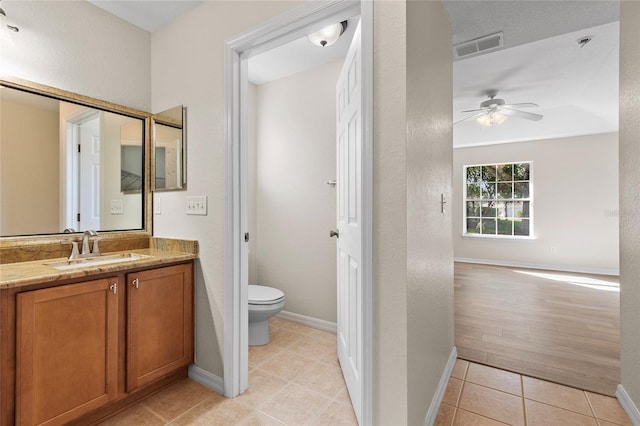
[[575, 206], [630, 198], [76, 46], [295, 208], [29, 168]]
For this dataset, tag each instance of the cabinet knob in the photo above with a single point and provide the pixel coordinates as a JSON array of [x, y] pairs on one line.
[[114, 288], [135, 283]]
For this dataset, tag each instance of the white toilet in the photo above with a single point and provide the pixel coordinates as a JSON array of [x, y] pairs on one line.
[[264, 302]]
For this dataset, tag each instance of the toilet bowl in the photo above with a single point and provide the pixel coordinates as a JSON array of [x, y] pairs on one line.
[[264, 302]]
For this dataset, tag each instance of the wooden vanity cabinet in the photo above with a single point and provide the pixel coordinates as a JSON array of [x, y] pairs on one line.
[[84, 350], [66, 351], [159, 323]]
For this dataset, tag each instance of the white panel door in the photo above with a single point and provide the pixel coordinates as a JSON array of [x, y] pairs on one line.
[[349, 212], [89, 184]]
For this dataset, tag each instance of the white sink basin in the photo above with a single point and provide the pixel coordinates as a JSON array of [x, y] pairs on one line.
[[86, 262]]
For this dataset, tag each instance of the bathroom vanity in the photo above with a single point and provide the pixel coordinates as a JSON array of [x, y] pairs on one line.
[[78, 344]]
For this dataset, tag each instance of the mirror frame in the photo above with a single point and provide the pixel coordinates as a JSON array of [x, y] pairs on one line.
[[63, 95], [166, 121]]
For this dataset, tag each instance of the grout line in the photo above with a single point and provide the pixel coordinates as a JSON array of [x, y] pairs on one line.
[[524, 406], [185, 412], [593, 410]]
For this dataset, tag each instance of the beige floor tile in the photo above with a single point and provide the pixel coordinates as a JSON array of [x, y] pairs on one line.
[[494, 378], [466, 418], [283, 338], [606, 423], [322, 378], [452, 393], [609, 409], [491, 403], [259, 419], [178, 398], [445, 415], [286, 365], [556, 395], [539, 414], [344, 398], [262, 387], [259, 354], [324, 336], [214, 411], [137, 415], [276, 322], [297, 327], [296, 405], [313, 348], [338, 414], [460, 369]]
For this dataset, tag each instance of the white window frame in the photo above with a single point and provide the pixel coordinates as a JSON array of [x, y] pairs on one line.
[[531, 235]]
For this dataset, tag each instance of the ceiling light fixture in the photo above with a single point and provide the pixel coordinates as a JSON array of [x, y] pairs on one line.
[[492, 118], [3, 22], [329, 35]]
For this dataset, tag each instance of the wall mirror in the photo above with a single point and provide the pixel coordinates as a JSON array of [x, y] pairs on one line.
[[169, 148], [69, 162]]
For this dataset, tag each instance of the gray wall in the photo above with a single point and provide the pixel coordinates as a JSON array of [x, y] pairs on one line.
[[575, 205], [630, 198]]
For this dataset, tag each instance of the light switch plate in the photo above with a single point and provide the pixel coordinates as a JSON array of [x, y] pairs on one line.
[[116, 207], [197, 205]]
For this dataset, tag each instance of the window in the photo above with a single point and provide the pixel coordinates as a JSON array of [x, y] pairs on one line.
[[498, 200]]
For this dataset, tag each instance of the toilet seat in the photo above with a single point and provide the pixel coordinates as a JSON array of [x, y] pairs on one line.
[[263, 295]]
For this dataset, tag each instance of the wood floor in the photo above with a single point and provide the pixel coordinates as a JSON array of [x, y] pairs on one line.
[[558, 326]]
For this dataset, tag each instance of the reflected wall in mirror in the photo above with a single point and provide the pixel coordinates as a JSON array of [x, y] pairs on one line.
[[169, 149], [61, 166]]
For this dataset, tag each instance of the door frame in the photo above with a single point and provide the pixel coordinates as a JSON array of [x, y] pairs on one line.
[[300, 21]]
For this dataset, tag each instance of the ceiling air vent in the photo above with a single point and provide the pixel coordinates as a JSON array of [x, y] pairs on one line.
[[479, 45]]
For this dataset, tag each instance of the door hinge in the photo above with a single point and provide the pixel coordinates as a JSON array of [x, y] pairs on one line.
[[78, 217], [78, 147], [246, 237], [114, 288]]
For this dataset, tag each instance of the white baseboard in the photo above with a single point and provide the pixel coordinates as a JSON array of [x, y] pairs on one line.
[[207, 379], [309, 321], [628, 405], [432, 414], [563, 268]]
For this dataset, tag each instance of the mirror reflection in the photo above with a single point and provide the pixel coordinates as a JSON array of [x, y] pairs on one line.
[[65, 166], [169, 147]]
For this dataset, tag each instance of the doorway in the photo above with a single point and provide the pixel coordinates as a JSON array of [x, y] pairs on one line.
[[302, 21]]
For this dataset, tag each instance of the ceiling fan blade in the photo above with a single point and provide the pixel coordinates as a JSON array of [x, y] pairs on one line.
[[475, 110], [471, 116], [521, 114], [522, 105]]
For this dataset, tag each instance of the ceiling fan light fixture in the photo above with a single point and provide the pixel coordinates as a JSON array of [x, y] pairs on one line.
[[328, 35], [491, 119]]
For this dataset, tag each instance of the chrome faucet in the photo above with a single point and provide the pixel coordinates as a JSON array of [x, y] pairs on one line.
[[85, 244]]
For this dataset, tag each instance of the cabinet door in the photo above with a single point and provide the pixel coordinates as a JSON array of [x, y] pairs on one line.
[[159, 323], [67, 351]]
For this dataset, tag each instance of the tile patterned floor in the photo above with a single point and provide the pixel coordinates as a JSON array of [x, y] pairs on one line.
[[481, 395], [294, 380]]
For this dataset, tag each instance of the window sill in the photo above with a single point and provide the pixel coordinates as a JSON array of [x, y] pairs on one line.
[[497, 237]]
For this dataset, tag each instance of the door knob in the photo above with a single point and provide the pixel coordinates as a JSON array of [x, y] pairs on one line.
[[334, 234]]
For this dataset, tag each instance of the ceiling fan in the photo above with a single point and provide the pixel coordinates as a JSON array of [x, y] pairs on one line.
[[496, 111]]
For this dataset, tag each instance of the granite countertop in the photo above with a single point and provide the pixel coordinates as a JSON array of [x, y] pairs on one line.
[[37, 271]]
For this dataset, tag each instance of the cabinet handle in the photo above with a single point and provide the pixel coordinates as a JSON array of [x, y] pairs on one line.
[[135, 283], [114, 288]]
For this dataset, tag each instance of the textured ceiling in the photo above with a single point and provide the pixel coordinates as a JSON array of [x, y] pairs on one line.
[[149, 15]]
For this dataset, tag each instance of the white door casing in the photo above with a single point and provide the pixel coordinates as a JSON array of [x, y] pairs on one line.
[[349, 220], [89, 183]]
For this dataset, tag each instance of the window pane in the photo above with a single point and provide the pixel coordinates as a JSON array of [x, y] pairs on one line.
[[473, 174], [501, 207], [473, 209], [505, 190], [525, 209], [488, 209], [488, 226], [521, 171], [505, 172], [521, 190], [473, 191], [521, 227], [473, 226], [489, 173], [505, 227], [520, 209], [488, 191]]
